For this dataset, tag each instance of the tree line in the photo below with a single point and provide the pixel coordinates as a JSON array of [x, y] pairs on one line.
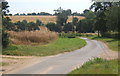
[[81, 26], [46, 13]]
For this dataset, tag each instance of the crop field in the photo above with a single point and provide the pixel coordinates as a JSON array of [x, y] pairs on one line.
[[44, 19]]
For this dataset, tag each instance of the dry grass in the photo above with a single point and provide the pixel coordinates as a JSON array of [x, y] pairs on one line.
[[32, 37], [44, 19]]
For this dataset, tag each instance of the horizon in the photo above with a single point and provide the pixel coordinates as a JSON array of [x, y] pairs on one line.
[[24, 6]]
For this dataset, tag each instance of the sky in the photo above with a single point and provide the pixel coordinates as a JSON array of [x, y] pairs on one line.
[[30, 6]]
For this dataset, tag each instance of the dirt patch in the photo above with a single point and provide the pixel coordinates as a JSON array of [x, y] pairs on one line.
[[15, 62], [109, 54]]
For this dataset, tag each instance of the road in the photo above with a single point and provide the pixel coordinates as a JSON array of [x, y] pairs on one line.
[[64, 63]]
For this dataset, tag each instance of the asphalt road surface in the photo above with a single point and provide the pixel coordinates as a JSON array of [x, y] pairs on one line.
[[64, 63]]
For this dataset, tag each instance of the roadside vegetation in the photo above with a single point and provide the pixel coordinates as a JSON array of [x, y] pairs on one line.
[[97, 66], [59, 46], [32, 37]]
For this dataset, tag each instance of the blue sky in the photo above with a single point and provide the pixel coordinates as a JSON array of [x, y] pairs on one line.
[[29, 6]]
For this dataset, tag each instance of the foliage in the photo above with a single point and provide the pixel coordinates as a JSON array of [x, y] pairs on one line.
[[5, 38], [107, 17], [53, 27], [68, 27], [5, 8], [86, 25], [27, 26], [5, 22], [62, 16], [59, 46]]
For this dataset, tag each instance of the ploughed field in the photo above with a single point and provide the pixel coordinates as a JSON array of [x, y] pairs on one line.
[[44, 19]]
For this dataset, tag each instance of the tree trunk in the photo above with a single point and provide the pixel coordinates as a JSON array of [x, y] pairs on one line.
[[98, 33]]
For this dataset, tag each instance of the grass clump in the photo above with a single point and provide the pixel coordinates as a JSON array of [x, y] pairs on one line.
[[59, 46], [98, 66]]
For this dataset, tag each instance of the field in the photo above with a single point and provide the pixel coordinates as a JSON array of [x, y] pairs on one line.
[[59, 46], [44, 19]]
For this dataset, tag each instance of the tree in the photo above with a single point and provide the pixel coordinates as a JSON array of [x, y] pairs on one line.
[[86, 25], [62, 16], [53, 27], [100, 23], [112, 17], [68, 27], [5, 36], [17, 14], [38, 22], [74, 23], [86, 11], [5, 8]]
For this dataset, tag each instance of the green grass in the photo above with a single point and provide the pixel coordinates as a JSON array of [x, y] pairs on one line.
[[98, 66], [111, 42], [59, 46], [4, 64]]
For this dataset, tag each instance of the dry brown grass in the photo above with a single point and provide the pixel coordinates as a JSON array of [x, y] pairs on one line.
[[44, 19], [32, 37]]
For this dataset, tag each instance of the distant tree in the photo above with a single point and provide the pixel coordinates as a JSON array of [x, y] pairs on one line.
[[38, 22], [75, 20], [79, 27], [69, 12], [74, 23], [86, 25], [76, 14], [68, 27], [17, 14], [53, 27], [29, 14], [10, 14], [62, 16], [33, 13]]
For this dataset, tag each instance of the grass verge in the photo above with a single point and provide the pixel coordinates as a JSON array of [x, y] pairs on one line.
[[59, 46], [97, 66], [4, 63]]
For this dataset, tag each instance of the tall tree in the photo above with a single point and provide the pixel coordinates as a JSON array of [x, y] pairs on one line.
[[100, 8], [5, 37], [74, 23], [62, 16]]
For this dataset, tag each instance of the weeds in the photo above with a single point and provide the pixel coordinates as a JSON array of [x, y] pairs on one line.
[[28, 37]]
